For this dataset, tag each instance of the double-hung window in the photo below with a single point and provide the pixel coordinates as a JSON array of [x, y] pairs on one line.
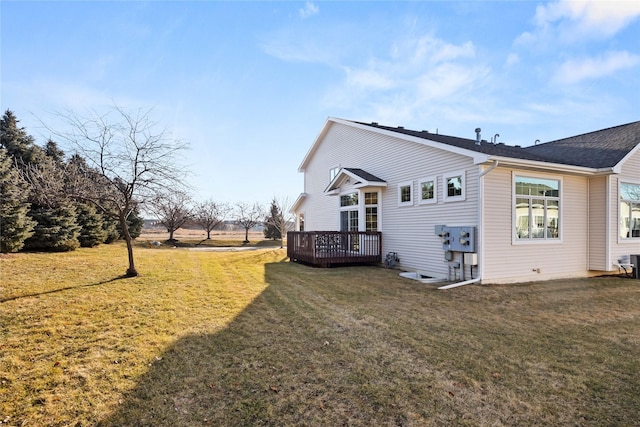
[[537, 208], [371, 211], [453, 186], [428, 190], [629, 210], [405, 193]]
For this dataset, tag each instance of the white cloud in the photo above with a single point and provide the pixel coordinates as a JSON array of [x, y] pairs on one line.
[[576, 70], [308, 10], [570, 21], [512, 59], [416, 78]]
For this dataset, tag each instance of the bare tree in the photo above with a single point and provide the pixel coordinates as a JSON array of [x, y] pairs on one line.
[[248, 216], [172, 210], [281, 218], [128, 162], [209, 214]]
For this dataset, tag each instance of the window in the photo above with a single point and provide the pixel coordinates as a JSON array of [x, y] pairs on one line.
[[629, 210], [333, 172], [428, 193], [350, 199], [371, 211], [537, 208], [454, 187], [405, 191]]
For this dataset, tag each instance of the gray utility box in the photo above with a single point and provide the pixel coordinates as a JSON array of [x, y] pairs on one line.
[[457, 239], [635, 260]]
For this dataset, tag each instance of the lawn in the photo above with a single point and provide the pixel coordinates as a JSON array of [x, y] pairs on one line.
[[247, 338]]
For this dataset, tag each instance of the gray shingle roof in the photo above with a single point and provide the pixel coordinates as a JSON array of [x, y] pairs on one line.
[[366, 176], [599, 149]]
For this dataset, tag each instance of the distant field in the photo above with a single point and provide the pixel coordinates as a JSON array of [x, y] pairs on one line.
[[191, 234], [246, 338]]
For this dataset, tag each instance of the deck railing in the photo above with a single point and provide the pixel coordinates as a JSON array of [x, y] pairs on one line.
[[332, 248]]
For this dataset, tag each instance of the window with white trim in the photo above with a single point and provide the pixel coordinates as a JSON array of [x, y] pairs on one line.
[[428, 190], [371, 211], [405, 193], [349, 212], [333, 172], [629, 211], [537, 208], [453, 186]]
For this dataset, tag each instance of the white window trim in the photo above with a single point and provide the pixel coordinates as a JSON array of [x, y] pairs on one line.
[[514, 237], [445, 192], [365, 206], [335, 168], [624, 240], [422, 201], [405, 184]]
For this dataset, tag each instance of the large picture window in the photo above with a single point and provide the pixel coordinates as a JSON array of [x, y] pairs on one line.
[[537, 208], [629, 210]]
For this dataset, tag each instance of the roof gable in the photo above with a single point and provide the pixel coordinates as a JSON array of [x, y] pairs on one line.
[[361, 179]]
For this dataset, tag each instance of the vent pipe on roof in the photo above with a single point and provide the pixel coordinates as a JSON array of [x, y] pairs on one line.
[[478, 130], [495, 138]]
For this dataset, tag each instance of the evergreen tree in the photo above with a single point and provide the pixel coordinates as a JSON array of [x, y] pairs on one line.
[[19, 145], [56, 229], [111, 227], [15, 225], [92, 231], [271, 231]]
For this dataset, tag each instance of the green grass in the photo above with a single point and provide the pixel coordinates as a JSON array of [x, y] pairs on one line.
[[246, 338]]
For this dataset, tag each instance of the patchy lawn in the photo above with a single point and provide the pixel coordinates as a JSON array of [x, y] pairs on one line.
[[246, 338]]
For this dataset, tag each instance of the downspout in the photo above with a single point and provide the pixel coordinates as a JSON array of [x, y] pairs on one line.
[[481, 223], [455, 285], [492, 167]]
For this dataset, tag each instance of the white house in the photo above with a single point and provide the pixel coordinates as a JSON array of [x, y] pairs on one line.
[[566, 208]]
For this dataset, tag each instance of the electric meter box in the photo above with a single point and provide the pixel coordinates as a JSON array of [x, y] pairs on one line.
[[457, 239]]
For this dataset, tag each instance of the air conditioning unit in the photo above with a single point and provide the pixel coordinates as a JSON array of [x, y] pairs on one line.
[[635, 261]]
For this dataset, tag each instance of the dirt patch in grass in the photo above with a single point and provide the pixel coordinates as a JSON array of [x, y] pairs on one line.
[[246, 338]]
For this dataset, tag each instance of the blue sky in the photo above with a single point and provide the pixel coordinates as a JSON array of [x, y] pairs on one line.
[[250, 84]]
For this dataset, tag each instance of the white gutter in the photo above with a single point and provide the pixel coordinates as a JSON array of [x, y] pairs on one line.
[[489, 169], [555, 167], [455, 285]]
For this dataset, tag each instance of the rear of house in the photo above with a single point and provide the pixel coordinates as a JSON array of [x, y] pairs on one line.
[[531, 216]]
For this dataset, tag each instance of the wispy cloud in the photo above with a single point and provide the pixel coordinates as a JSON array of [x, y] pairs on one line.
[[416, 74], [570, 21], [577, 70], [308, 10]]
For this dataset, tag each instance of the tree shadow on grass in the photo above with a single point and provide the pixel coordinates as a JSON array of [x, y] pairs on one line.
[[67, 288], [276, 363]]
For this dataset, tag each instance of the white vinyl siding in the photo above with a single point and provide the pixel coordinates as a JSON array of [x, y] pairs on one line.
[[597, 224], [621, 247], [409, 231], [505, 262]]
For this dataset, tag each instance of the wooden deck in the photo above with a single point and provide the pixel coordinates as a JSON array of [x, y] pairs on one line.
[[334, 248]]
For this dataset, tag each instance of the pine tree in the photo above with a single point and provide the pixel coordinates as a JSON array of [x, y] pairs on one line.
[[271, 231], [19, 145], [56, 229], [92, 231], [111, 227], [15, 225]]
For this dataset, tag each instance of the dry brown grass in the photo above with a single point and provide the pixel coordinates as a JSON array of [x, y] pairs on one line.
[[247, 339]]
